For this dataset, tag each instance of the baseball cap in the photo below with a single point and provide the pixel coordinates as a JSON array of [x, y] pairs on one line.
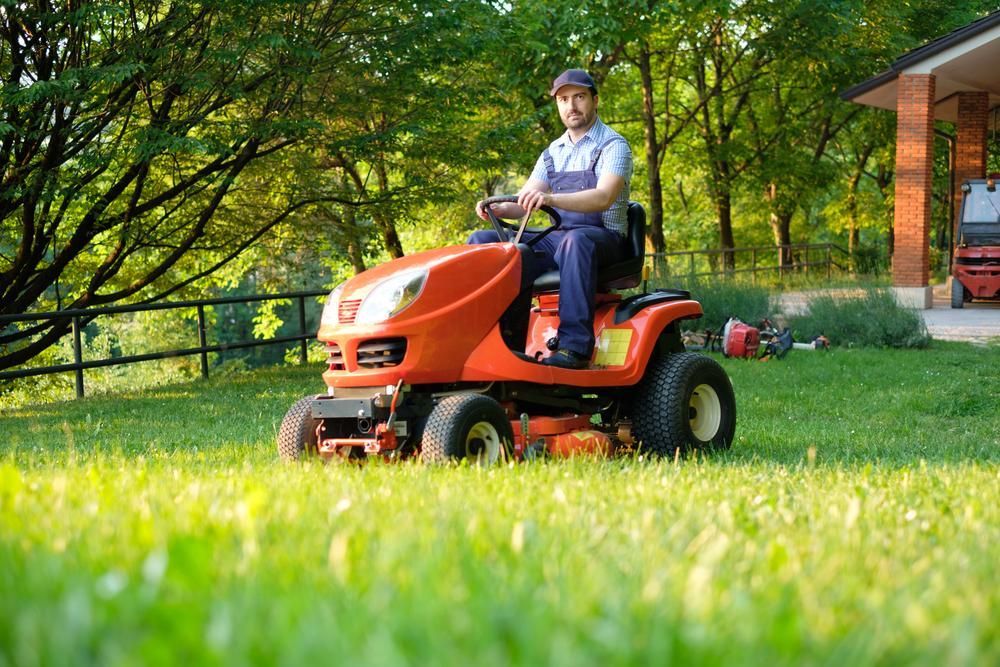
[[573, 77]]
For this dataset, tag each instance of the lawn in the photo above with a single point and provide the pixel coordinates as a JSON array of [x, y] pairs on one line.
[[856, 521]]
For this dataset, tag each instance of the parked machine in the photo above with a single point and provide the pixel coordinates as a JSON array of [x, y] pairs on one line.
[[976, 262], [438, 355]]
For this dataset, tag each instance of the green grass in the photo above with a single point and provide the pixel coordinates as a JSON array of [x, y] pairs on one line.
[[855, 522]]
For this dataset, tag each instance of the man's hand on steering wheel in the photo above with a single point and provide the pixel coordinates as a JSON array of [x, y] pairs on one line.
[[506, 210], [532, 199], [498, 206]]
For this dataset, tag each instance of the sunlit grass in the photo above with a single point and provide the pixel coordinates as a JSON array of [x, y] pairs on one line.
[[855, 521]]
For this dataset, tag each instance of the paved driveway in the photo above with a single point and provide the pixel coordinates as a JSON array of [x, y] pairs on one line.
[[977, 322]]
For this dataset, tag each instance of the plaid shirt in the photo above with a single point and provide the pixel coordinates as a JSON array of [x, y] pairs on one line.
[[615, 159]]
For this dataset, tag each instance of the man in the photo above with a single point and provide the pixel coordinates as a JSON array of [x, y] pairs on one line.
[[584, 174]]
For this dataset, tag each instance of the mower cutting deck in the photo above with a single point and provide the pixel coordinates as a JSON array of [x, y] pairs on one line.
[[438, 355]]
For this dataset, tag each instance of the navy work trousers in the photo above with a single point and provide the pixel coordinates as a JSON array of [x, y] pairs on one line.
[[577, 253]]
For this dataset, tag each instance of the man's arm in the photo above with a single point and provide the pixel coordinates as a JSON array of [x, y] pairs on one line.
[[595, 200]]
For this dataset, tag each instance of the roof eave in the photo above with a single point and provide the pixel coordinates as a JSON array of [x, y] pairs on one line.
[[869, 85], [941, 44]]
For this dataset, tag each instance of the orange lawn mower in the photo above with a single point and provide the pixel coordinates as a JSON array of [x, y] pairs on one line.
[[437, 355]]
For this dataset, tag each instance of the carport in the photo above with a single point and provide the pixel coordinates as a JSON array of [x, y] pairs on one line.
[[955, 78]]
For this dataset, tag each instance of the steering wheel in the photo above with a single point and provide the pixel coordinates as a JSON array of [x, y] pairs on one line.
[[507, 231]]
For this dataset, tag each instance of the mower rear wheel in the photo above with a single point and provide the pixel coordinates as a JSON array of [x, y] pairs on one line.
[[297, 435], [469, 427], [685, 401], [957, 294]]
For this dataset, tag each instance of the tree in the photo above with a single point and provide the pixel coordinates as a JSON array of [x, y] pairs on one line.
[[142, 145], [725, 71]]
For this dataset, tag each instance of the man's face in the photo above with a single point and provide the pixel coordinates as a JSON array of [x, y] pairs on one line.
[[577, 106]]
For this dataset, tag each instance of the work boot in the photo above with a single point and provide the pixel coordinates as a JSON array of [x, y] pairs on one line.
[[563, 358]]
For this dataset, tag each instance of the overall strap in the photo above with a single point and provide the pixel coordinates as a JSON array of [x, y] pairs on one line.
[[600, 149], [550, 166]]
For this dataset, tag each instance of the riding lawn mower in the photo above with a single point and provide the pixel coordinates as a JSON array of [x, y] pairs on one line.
[[438, 355]]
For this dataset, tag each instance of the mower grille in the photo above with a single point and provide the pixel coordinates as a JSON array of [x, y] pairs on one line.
[[977, 261], [348, 310], [335, 358], [381, 353]]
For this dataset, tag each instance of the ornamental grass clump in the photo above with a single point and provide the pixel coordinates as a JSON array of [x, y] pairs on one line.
[[723, 299], [871, 319]]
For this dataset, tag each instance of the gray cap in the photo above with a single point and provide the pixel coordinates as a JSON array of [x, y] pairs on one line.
[[573, 77]]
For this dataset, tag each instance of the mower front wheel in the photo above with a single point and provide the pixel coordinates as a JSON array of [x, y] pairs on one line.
[[471, 427], [685, 401], [297, 435]]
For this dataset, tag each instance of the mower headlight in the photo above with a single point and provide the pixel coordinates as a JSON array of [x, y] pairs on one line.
[[391, 296], [332, 307]]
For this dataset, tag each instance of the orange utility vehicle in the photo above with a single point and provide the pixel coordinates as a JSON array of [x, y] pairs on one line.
[[976, 263], [437, 354]]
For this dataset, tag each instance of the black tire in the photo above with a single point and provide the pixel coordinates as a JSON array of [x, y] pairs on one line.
[[684, 401], [467, 426], [297, 435], [957, 294]]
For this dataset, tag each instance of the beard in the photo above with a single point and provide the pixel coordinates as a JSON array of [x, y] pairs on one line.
[[579, 120]]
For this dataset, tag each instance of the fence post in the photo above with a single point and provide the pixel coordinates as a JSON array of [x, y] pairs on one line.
[[753, 266], [303, 347], [202, 341], [829, 262], [78, 356], [691, 257]]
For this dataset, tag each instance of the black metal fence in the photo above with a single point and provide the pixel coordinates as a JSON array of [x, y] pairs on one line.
[[796, 257], [83, 316]]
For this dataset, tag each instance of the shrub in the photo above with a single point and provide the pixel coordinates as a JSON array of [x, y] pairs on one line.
[[722, 299], [873, 319]]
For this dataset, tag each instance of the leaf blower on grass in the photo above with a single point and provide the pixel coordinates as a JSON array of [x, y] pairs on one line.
[[739, 340]]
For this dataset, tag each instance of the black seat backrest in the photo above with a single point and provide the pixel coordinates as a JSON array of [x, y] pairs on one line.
[[621, 275], [628, 272]]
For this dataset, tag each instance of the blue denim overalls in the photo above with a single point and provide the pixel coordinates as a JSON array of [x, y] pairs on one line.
[[577, 249]]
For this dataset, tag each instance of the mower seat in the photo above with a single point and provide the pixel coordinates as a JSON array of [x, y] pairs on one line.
[[621, 275]]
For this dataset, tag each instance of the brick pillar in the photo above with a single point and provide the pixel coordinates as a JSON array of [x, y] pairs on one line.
[[914, 158], [970, 143]]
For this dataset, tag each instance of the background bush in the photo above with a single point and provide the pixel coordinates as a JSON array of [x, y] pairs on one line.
[[873, 319], [722, 299]]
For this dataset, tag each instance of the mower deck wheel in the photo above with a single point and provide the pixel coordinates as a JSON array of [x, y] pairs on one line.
[[467, 426], [957, 294], [297, 435], [684, 401]]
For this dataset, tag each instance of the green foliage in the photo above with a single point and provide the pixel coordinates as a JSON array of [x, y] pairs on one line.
[[722, 299], [873, 319], [160, 527]]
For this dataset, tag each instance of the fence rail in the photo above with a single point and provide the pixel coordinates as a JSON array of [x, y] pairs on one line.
[[787, 258], [83, 316]]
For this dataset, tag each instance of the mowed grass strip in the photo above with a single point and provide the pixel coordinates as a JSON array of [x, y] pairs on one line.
[[855, 521]]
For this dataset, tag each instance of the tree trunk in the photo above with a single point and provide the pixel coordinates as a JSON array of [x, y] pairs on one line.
[[853, 235], [724, 211], [383, 221], [655, 228], [355, 251], [389, 235], [781, 226]]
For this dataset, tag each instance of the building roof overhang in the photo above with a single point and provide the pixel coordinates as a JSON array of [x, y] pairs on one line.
[[962, 61]]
